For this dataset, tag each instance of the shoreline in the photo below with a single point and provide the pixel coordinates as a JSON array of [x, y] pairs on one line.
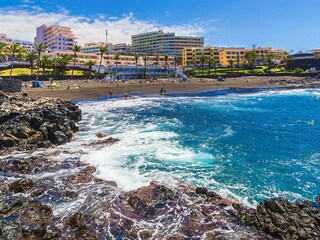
[[93, 89]]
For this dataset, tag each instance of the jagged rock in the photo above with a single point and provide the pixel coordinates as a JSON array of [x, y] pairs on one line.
[[282, 219], [101, 135], [28, 123], [84, 176], [21, 186], [23, 165], [107, 141], [147, 199], [22, 218]]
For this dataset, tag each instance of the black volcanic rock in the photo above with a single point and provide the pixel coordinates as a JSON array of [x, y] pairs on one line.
[[282, 219], [28, 123], [21, 186]]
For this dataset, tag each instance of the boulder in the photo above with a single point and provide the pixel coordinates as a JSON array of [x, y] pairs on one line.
[[84, 176], [21, 186], [148, 199]]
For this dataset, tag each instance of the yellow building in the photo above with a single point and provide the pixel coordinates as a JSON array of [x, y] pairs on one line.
[[110, 60], [81, 59], [238, 54], [191, 56]]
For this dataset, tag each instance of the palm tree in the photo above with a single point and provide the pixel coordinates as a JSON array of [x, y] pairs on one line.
[[231, 62], [40, 48], [157, 56], [116, 57], [268, 59], [238, 61], [12, 52], [176, 60], [103, 49], [215, 63], [251, 56], [45, 62], [203, 59], [76, 48], [90, 64], [166, 58], [2, 49], [60, 64], [145, 58], [31, 57], [136, 58], [209, 60]]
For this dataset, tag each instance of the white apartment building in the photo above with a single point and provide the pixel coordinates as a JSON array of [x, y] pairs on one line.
[[94, 47], [28, 46], [56, 38]]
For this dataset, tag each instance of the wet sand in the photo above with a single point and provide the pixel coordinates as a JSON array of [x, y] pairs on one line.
[[94, 89]]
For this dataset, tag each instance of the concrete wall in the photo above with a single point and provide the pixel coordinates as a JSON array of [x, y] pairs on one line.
[[7, 85]]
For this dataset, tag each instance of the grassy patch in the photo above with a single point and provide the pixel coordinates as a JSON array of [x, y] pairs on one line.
[[27, 71]]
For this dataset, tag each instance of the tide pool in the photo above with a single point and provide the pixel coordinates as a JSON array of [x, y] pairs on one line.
[[246, 145]]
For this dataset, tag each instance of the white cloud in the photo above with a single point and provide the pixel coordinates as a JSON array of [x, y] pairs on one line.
[[21, 24]]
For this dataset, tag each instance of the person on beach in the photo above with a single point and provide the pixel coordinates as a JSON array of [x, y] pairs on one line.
[[161, 91], [164, 92], [126, 96], [110, 93]]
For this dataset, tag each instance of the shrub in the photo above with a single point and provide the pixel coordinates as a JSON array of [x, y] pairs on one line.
[[298, 70]]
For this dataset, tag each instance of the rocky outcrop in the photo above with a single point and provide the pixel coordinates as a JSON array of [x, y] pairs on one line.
[[27, 123], [23, 217], [282, 219], [10, 85]]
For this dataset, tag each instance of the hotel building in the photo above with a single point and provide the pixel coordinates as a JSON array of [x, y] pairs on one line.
[[129, 60], [81, 59], [159, 42], [191, 56], [56, 38], [94, 47], [28, 46], [122, 47]]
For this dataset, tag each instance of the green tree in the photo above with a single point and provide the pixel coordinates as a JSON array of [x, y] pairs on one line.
[[231, 63], [12, 51], [166, 59], [157, 56], [40, 48], [102, 49], [202, 59], [176, 61], [145, 58], [251, 57], [238, 61], [268, 60], [209, 61], [31, 57], [76, 48], [60, 64], [117, 57], [136, 58], [215, 64], [45, 62], [2, 49], [90, 64]]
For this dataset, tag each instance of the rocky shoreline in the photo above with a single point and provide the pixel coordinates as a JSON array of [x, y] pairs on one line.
[[306, 82], [52, 194], [28, 123]]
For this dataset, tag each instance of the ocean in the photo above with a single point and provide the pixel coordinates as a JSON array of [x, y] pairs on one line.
[[247, 145]]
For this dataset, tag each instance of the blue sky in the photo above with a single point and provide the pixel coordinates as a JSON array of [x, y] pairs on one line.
[[288, 24]]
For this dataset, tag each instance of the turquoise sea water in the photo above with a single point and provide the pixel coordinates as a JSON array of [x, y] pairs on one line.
[[246, 145]]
